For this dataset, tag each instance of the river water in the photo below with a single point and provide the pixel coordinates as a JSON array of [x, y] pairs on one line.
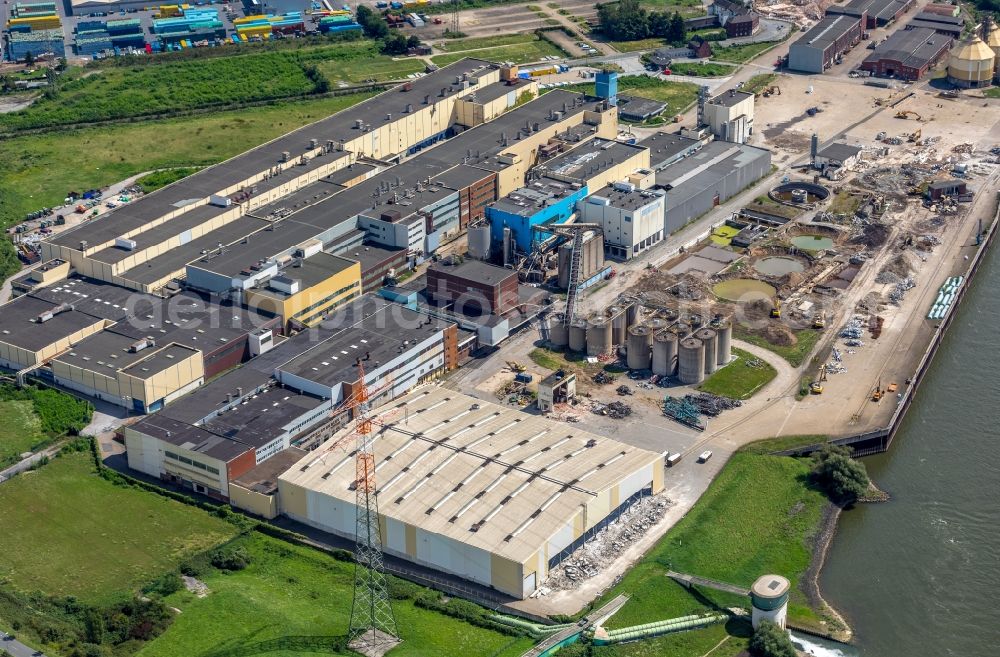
[[920, 575]]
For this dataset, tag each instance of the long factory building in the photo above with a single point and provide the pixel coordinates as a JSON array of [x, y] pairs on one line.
[[365, 174], [477, 490]]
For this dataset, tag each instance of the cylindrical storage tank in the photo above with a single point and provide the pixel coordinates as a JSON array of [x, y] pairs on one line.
[[971, 65], [637, 350], [618, 320], [665, 353], [578, 335], [558, 333], [769, 600], [711, 340], [682, 330], [724, 329], [479, 242], [657, 324], [598, 336], [631, 316], [691, 361]]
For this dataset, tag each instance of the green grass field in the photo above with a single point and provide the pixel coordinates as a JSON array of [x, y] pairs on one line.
[[757, 517], [759, 82], [66, 531], [677, 95], [634, 46], [519, 53], [20, 430], [295, 601], [40, 169], [120, 92], [380, 68], [475, 43], [795, 354], [738, 379], [740, 54], [992, 92], [697, 69]]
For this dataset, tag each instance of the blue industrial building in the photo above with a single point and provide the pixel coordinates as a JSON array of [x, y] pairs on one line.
[[544, 201]]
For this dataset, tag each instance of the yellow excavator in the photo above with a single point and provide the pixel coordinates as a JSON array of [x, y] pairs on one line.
[[776, 309], [816, 387], [772, 90], [878, 392], [819, 321], [905, 114], [914, 136], [516, 368]]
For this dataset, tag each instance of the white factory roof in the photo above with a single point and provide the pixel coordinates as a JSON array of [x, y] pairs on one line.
[[493, 477]]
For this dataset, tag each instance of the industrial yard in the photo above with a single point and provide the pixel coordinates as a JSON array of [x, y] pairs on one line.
[[483, 326]]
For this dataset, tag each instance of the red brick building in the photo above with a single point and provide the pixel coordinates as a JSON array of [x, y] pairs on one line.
[[742, 26], [474, 287]]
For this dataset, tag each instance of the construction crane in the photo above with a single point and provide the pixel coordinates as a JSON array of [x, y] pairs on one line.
[[574, 232], [905, 114]]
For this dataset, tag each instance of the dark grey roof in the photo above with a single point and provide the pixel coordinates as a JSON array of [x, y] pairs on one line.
[[665, 147], [263, 478], [730, 98], [639, 107], [475, 270], [947, 184], [743, 18], [943, 28], [190, 437], [827, 31], [626, 200], [19, 328], [914, 48], [938, 18], [883, 10], [259, 419], [590, 156], [839, 151]]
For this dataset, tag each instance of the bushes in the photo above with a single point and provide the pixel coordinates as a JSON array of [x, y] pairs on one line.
[[230, 558], [842, 478], [769, 640], [157, 179], [60, 413], [85, 630]]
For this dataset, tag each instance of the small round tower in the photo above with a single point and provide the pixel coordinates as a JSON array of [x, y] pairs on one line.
[[769, 600]]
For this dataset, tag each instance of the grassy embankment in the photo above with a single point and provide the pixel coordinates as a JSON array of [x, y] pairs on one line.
[[741, 378], [32, 418], [757, 517], [740, 54], [759, 82], [70, 532]]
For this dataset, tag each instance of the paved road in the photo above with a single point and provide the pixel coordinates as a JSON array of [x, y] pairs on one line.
[[16, 648]]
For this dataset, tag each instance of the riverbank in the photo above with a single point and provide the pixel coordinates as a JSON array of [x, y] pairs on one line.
[[835, 625]]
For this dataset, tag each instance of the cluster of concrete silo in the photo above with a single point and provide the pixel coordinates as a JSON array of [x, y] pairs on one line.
[[689, 347]]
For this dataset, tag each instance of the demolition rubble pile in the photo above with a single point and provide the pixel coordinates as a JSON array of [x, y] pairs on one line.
[[601, 550]]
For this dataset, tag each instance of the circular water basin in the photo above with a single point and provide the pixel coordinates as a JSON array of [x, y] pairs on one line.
[[743, 289], [778, 266], [812, 242]]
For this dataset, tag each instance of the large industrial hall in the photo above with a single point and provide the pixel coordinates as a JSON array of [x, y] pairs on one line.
[[474, 489]]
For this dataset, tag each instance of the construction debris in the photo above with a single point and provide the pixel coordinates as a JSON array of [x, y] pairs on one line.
[[712, 405], [901, 288], [600, 551], [623, 390], [616, 410], [602, 378]]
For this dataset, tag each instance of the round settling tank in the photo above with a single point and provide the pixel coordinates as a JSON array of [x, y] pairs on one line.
[[769, 600], [637, 350], [657, 324], [665, 353], [558, 333], [578, 335], [711, 340], [724, 329], [598, 336], [618, 321], [691, 361]]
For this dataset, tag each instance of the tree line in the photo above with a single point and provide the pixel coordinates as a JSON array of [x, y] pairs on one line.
[[626, 20]]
